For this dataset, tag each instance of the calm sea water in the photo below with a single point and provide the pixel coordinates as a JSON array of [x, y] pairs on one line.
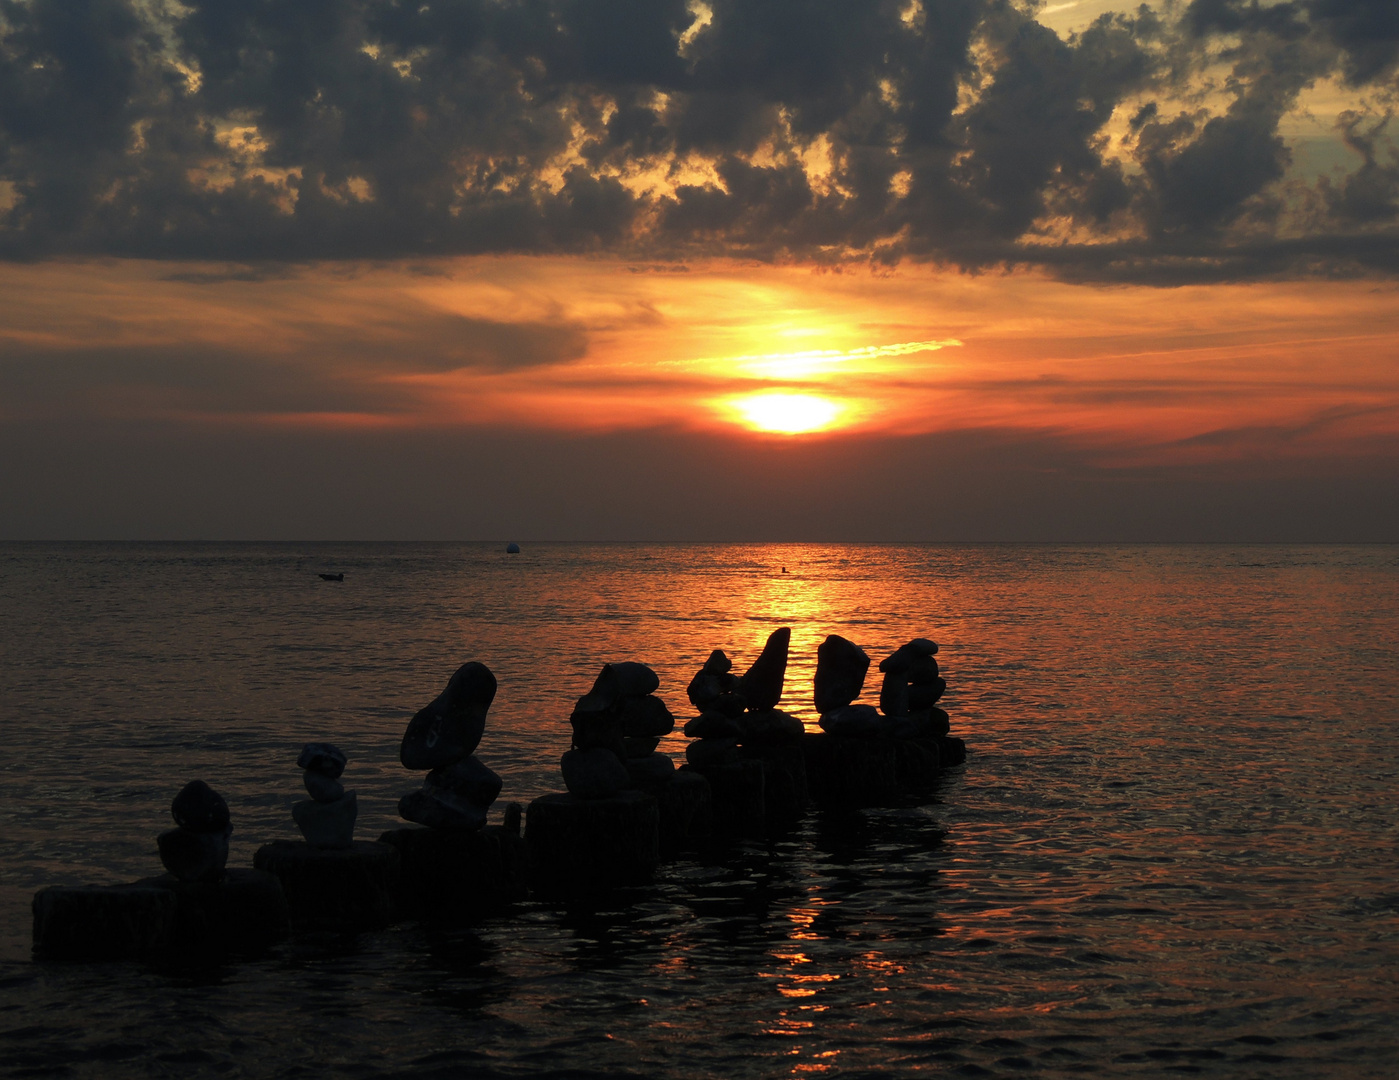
[[1173, 846]]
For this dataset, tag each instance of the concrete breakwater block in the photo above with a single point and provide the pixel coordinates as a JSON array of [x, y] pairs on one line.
[[953, 750], [103, 922], [336, 889], [917, 763], [738, 791], [686, 811], [162, 918], [453, 874], [850, 772], [785, 791], [586, 845]]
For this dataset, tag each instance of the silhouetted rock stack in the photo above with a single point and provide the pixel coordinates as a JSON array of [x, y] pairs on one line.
[[459, 788], [197, 849], [748, 749], [199, 912], [607, 829], [327, 818], [458, 867], [868, 753]]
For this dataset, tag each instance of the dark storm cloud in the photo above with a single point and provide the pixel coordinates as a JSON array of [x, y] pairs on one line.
[[955, 130]]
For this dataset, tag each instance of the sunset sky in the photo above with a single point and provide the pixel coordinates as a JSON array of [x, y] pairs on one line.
[[744, 269]]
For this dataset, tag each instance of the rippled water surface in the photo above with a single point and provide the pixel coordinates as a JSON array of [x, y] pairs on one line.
[[1173, 847]]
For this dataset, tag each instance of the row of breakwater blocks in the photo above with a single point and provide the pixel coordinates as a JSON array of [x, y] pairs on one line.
[[751, 770]]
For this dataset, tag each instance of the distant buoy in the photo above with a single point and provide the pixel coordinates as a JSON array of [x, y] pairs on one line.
[[512, 548], [784, 569]]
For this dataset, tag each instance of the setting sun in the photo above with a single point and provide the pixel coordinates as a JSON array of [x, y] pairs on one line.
[[788, 414]]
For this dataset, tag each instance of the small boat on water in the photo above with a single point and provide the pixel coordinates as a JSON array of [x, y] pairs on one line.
[[332, 577], [512, 548]]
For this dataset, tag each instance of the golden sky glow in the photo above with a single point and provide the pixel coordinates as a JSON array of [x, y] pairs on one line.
[[1140, 373]]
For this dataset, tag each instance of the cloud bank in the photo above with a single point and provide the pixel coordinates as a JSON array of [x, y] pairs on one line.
[[1150, 146]]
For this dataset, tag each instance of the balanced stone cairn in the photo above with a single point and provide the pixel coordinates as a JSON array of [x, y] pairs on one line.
[[197, 850], [907, 699], [617, 726], [749, 749], [459, 788], [868, 753], [327, 818]]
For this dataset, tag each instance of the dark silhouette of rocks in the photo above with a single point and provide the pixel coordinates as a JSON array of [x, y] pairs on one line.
[[451, 727], [459, 789], [197, 849], [840, 672], [620, 717], [198, 913], [761, 685], [594, 773], [327, 818], [740, 736]]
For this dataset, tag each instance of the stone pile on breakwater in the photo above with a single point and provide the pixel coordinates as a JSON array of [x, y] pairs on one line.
[[198, 912], [456, 865], [626, 805], [745, 746], [866, 753], [331, 881], [750, 770]]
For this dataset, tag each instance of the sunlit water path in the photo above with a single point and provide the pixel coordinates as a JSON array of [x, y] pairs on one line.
[[1173, 847]]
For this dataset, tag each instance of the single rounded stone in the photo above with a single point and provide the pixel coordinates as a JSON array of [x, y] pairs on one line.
[[904, 655], [923, 671], [624, 679], [717, 664], [439, 808], [762, 683], [854, 722], [640, 747], [327, 824], [926, 696], [324, 758], [469, 779], [194, 856], [599, 731], [594, 774], [646, 716], [714, 725], [650, 770], [703, 753], [321, 787], [452, 726], [893, 694], [199, 808], [769, 728], [840, 672], [703, 689], [730, 704]]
